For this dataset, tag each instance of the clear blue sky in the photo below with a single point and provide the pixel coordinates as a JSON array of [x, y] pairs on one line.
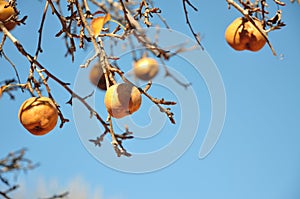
[[257, 155]]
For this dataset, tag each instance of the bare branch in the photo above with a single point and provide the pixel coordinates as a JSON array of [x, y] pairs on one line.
[[13, 162], [196, 36], [57, 196]]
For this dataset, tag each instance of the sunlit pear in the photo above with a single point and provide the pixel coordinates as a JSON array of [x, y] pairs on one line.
[[38, 115], [241, 34], [122, 100]]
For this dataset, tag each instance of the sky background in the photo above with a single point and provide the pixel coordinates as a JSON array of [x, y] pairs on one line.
[[257, 155]]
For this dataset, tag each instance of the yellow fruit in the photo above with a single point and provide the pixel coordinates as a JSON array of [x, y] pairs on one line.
[[122, 100], [38, 115], [6, 13], [97, 77], [146, 68], [241, 34]]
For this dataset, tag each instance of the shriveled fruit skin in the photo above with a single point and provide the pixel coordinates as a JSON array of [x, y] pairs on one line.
[[145, 68], [257, 40], [122, 100], [6, 13], [241, 34], [38, 115]]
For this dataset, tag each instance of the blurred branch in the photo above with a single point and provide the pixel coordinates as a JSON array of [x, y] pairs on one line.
[[57, 196], [6, 192], [9, 85], [169, 74], [13, 162], [294, 1]]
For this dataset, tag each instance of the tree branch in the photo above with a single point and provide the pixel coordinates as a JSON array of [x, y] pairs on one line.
[[196, 36]]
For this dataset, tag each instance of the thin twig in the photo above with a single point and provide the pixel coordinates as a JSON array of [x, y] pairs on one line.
[[13, 66], [40, 31], [196, 36]]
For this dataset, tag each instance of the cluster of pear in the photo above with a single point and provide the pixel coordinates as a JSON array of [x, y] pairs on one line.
[[39, 115], [124, 99]]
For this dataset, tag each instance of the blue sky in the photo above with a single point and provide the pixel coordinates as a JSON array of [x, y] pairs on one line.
[[257, 155]]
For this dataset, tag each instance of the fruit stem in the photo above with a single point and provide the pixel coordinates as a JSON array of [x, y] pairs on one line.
[[121, 25]]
